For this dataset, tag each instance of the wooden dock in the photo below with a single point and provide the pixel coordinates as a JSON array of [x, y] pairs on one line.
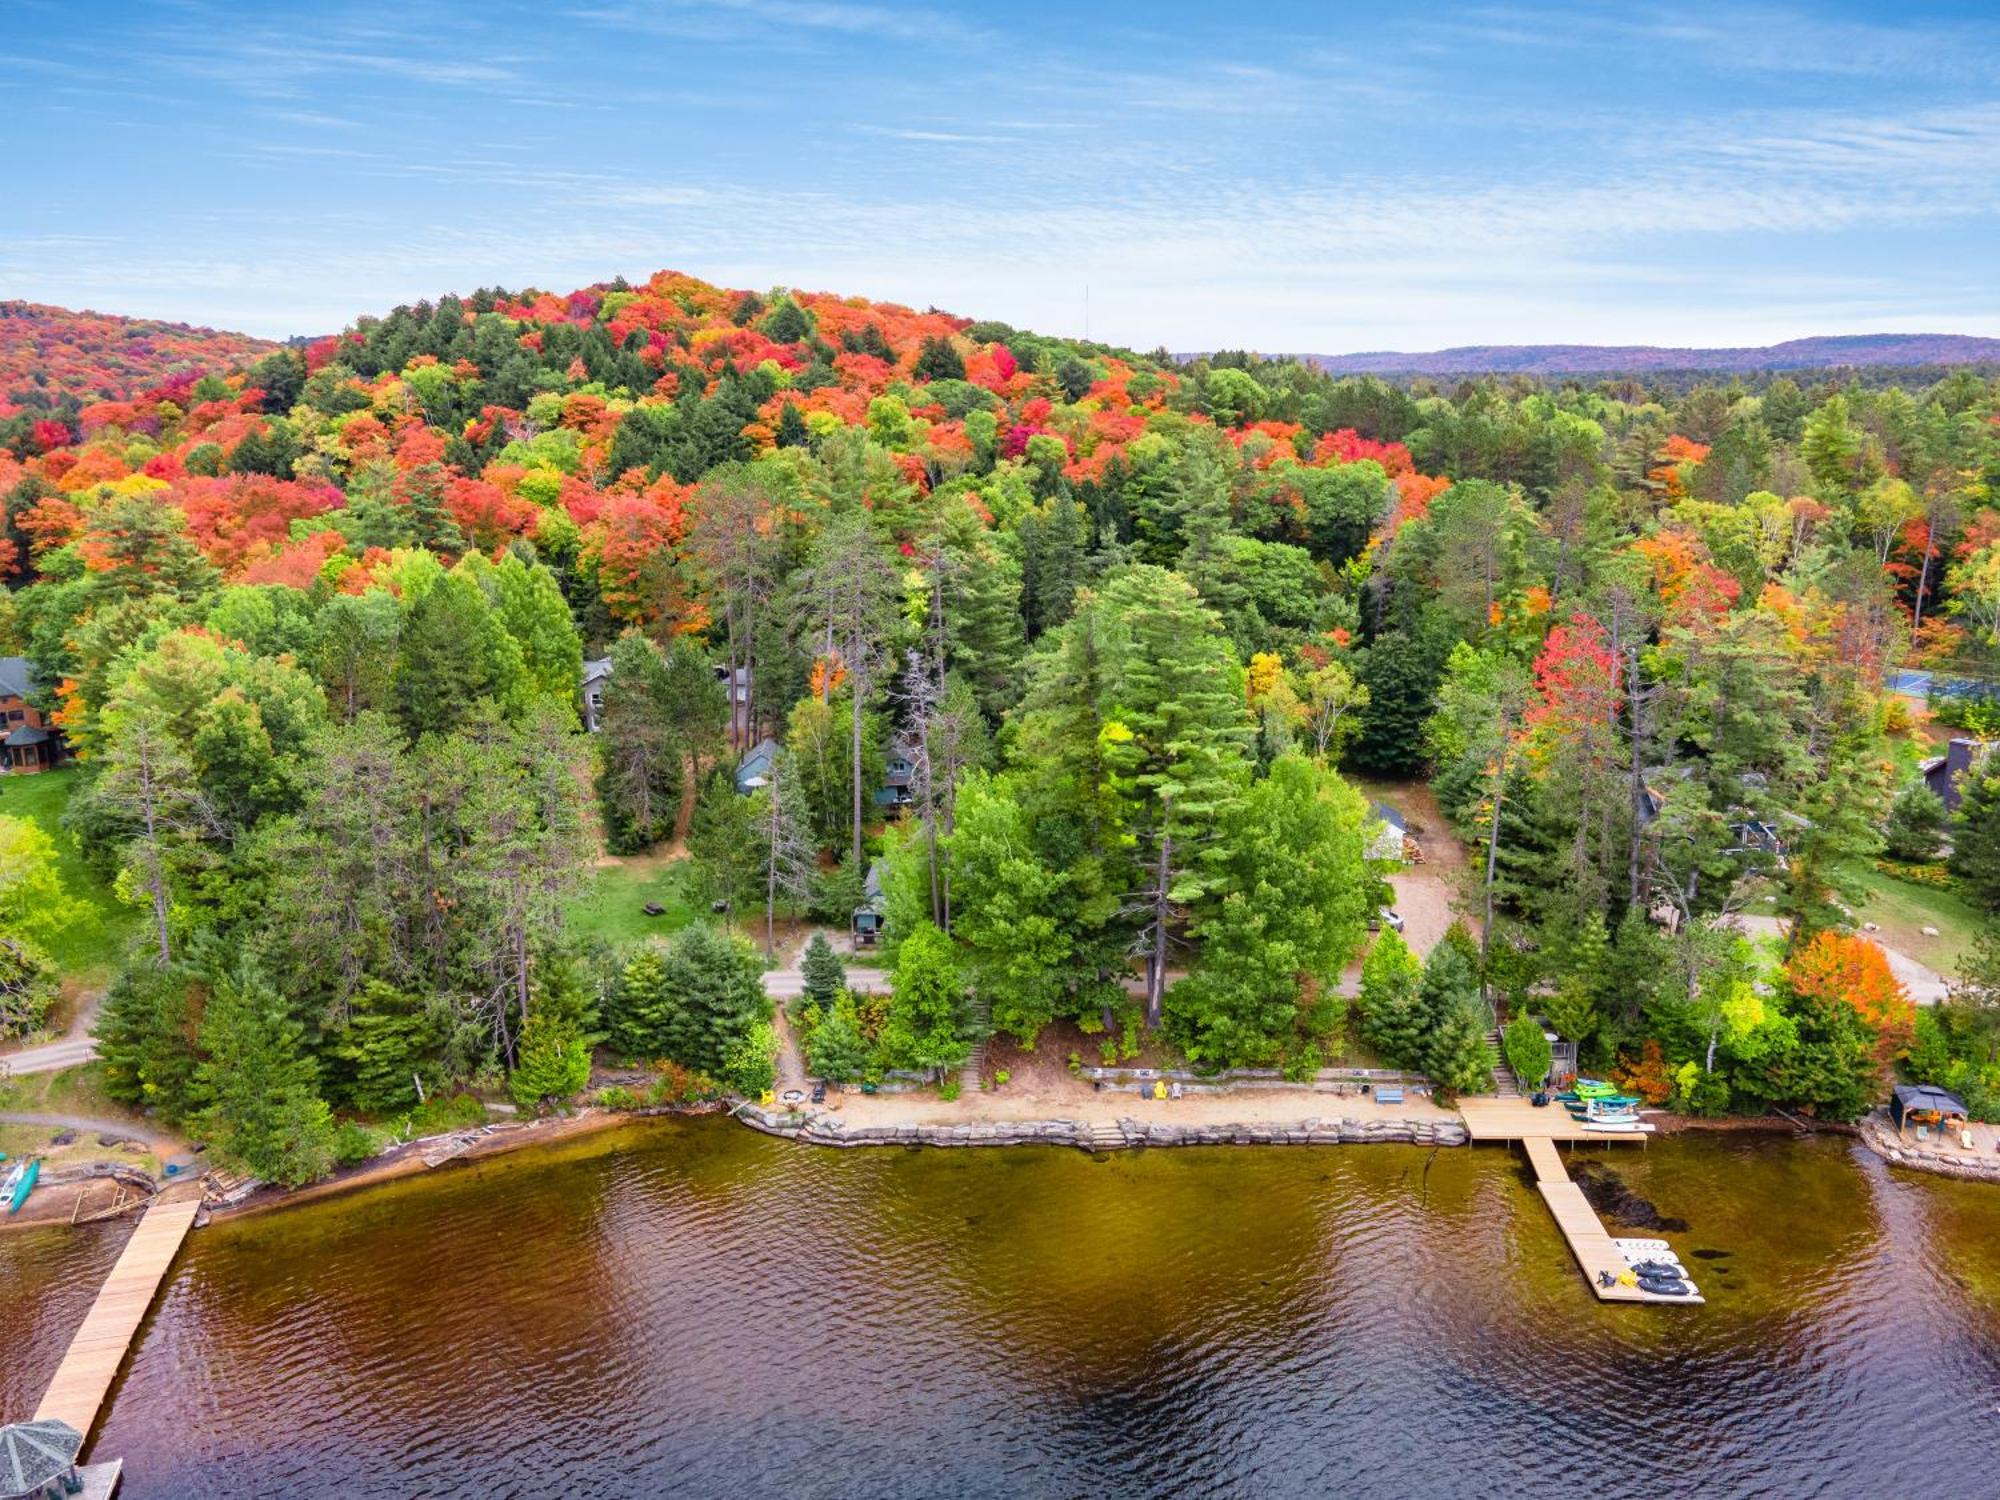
[[83, 1379], [1490, 1119], [1538, 1130]]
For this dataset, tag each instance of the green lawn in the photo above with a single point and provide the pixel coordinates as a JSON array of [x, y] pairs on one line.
[[1903, 910], [90, 947], [612, 906], [72, 1091]]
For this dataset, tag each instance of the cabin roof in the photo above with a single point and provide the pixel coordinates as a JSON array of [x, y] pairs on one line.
[[17, 678]]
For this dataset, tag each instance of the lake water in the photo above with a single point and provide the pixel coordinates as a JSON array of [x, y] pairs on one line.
[[688, 1308]]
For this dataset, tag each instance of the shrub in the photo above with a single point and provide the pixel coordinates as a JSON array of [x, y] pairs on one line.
[[616, 1097], [751, 1065], [1699, 1092], [1915, 829], [353, 1142], [835, 1048], [1650, 1077], [678, 1085], [443, 1112], [949, 1089], [1936, 877], [1528, 1051]]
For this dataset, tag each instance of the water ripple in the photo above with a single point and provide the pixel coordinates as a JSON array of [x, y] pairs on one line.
[[695, 1310]]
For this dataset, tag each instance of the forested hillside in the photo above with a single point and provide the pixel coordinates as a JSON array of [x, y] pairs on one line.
[[52, 360], [315, 625], [1848, 351]]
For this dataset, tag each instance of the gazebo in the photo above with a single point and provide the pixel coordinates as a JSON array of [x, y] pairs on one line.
[[38, 1459], [1924, 1104]]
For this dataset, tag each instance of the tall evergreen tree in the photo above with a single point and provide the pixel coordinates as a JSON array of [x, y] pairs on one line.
[[263, 1111]]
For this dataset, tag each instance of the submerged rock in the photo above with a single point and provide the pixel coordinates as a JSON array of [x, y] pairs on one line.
[[1608, 1194]]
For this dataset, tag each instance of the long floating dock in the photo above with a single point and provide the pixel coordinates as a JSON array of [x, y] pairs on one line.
[[1538, 1130], [83, 1379]]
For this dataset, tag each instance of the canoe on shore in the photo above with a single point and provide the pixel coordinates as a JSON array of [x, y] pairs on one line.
[[21, 1182]]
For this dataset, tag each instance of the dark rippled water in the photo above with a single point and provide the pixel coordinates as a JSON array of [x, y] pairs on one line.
[[692, 1309]]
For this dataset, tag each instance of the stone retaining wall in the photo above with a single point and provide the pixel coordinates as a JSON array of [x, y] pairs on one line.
[[827, 1130], [1881, 1138]]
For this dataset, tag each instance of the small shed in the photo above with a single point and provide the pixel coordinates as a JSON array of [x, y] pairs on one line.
[[1386, 833], [1924, 1104], [38, 1459], [872, 914], [756, 768]]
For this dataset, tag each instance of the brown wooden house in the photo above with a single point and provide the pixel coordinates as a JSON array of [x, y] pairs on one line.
[[27, 741]]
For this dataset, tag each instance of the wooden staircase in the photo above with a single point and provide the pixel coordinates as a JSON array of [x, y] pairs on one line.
[[979, 1018]]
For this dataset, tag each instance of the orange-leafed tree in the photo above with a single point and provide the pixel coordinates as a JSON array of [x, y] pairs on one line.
[[1839, 968]]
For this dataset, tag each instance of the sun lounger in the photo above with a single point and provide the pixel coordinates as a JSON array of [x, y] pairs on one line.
[[1389, 1094]]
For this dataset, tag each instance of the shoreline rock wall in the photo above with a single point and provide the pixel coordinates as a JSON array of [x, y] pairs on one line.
[[826, 1130], [1881, 1138]]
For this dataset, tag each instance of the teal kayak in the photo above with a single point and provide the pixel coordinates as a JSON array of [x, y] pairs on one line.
[[26, 1185]]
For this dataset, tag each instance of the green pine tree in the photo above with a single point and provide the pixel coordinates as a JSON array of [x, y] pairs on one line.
[[824, 974], [388, 1045], [553, 1059], [1391, 1018], [263, 1111], [1457, 1056], [838, 1050]]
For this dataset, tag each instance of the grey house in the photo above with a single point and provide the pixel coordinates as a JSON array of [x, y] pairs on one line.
[[595, 674], [1945, 773], [755, 769]]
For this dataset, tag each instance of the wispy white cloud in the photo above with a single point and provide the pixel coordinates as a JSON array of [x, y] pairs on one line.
[[1746, 38], [760, 19], [938, 137], [1215, 182]]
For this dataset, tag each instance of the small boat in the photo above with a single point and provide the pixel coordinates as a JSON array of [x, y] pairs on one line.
[[1643, 1247], [1619, 1127], [27, 1174], [1667, 1286], [1605, 1109]]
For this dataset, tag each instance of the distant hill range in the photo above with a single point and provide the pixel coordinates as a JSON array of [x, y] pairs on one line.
[[1601, 359], [50, 352]]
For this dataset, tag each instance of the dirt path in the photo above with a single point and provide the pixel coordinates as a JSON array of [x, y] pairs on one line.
[[788, 984], [160, 1141], [72, 1050]]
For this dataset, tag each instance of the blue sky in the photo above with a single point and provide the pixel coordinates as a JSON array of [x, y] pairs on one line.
[[1328, 177]]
